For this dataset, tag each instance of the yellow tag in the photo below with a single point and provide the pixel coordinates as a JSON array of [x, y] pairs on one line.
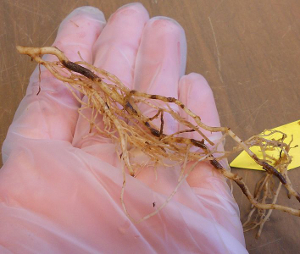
[[243, 160]]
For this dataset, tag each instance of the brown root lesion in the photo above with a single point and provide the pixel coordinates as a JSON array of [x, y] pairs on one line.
[[127, 126]]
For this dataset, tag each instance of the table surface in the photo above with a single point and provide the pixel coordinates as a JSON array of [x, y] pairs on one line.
[[247, 50]]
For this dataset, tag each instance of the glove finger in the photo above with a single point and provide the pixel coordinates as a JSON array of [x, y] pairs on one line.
[[114, 51], [116, 48], [196, 95], [160, 62], [208, 184], [49, 110]]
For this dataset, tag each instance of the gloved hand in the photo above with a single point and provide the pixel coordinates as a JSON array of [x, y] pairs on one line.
[[60, 185]]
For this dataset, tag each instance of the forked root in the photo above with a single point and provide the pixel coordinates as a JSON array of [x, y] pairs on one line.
[[127, 126]]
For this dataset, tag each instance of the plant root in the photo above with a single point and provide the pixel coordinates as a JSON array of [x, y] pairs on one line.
[[127, 126]]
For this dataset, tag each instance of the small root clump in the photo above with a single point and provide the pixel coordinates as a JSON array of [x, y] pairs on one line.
[[128, 127]]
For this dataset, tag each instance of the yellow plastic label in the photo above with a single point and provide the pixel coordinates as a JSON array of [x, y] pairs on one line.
[[243, 160]]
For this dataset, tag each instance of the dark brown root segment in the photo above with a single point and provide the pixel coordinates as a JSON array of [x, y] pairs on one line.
[[81, 70], [107, 95], [270, 169]]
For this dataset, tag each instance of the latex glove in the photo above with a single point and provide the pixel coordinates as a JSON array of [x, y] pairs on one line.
[[60, 186]]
